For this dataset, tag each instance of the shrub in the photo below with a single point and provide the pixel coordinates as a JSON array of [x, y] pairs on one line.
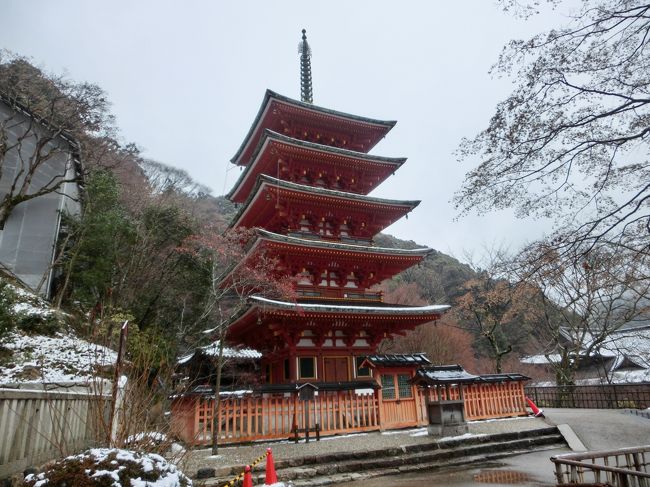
[[104, 467]]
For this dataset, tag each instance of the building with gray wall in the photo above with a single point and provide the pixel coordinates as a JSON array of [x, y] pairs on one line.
[[45, 156]]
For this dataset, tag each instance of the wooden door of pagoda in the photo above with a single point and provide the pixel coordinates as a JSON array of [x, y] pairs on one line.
[[335, 369]]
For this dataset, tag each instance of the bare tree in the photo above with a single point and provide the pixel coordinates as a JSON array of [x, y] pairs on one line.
[[43, 119], [496, 307], [584, 300], [233, 277], [571, 141]]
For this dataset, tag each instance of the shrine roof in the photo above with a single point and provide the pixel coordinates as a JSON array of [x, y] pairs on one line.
[[269, 136], [264, 179], [398, 360], [328, 244], [348, 308], [212, 350], [270, 96], [443, 374]]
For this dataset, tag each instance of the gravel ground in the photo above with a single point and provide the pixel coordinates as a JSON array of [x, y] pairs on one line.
[[240, 455]]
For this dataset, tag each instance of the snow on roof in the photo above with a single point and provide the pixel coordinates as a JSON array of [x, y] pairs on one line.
[[228, 352], [62, 358], [349, 307], [541, 359]]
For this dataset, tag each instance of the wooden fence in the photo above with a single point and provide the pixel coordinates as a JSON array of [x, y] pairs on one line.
[[252, 418], [37, 426], [264, 418], [607, 396]]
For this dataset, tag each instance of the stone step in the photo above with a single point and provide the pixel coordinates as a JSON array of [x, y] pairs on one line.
[[346, 466], [408, 461], [411, 468]]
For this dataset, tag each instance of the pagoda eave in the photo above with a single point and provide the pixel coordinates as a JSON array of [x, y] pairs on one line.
[[265, 318], [273, 105], [272, 198], [274, 147]]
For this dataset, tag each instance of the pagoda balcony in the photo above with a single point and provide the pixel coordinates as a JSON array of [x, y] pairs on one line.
[[344, 239], [343, 294]]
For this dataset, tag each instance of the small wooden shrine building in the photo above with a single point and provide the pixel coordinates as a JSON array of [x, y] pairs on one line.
[[304, 186]]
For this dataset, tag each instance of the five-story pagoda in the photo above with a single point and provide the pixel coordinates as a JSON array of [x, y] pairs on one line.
[[304, 186]]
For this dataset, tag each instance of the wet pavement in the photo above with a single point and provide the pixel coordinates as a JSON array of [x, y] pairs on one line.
[[598, 429], [530, 470]]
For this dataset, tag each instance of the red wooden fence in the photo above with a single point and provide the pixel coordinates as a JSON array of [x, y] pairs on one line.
[[253, 418]]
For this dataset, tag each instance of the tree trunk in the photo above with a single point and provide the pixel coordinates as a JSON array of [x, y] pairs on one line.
[[217, 397]]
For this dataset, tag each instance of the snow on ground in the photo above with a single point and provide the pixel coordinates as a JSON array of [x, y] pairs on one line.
[[110, 462], [56, 359], [61, 358]]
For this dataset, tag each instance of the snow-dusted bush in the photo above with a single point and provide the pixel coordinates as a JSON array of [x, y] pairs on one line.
[[110, 468]]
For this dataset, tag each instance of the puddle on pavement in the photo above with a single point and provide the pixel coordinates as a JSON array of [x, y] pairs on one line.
[[501, 477]]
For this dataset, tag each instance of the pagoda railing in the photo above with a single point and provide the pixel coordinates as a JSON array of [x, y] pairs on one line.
[[347, 294], [333, 238]]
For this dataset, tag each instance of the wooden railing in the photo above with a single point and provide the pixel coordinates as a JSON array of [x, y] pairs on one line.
[[37, 426], [251, 418], [346, 293], [487, 400], [626, 467], [606, 396], [264, 418]]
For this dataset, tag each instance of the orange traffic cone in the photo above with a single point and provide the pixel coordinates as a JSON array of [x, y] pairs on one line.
[[271, 476], [248, 478], [537, 412]]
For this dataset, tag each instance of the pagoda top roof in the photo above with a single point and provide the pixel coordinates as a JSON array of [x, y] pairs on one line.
[[269, 136], [329, 244], [270, 97], [348, 308], [264, 179]]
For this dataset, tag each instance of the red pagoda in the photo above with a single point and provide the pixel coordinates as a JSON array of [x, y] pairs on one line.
[[306, 176], [304, 187]]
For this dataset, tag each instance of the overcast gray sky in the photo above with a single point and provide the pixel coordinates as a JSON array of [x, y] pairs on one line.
[[186, 79]]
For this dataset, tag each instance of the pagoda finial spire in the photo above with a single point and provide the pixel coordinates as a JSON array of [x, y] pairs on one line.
[[306, 93]]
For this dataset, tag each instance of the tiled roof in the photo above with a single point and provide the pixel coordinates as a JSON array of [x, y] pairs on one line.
[[398, 360], [328, 244], [266, 179], [306, 307], [228, 352], [270, 95], [443, 374]]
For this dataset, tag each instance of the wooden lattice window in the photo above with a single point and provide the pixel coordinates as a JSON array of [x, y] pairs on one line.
[[388, 386], [404, 387]]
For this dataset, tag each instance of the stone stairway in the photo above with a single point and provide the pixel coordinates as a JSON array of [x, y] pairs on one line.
[[341, 467]]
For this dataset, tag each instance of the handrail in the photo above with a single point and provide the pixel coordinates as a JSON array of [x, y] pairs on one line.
[[572, 467]]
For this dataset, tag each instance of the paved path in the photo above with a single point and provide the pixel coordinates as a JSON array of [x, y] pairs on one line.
[[603, 429], [598, 429]]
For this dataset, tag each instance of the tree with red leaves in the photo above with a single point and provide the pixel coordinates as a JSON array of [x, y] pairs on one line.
[[233, 275]]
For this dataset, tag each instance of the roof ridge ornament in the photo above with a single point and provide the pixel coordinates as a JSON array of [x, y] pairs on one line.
[[306, 93]]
